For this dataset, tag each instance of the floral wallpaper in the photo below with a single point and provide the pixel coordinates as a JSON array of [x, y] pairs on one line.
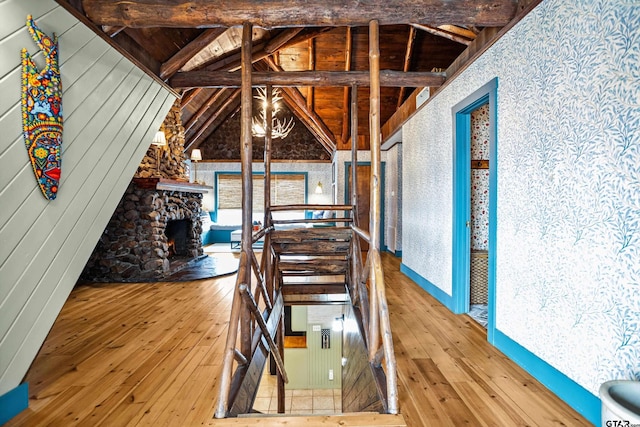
[[480, 179], [480, 209], [568, 168], [480, 133]]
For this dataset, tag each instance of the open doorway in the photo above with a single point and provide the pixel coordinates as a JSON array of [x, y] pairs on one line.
[[475, 206]]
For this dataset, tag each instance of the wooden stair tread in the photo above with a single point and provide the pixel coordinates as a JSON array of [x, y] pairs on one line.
[[306, 234], [370, 419], [314, 247], [314, 288]]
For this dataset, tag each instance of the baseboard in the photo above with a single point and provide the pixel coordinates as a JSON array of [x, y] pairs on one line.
[[432, 289], [13, 402], [572, 393]]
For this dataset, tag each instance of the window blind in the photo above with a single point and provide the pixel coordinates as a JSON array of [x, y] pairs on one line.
[[286, 189]]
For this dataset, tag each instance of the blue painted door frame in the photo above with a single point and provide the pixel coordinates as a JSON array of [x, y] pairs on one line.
[[462, 199]]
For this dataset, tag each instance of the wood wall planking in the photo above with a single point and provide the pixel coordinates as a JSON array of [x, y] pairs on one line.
[[111, 111]]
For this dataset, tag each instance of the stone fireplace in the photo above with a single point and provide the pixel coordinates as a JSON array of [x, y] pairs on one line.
[[154, 232], [156, 229]]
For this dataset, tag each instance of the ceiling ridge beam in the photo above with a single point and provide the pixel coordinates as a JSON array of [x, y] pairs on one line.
[[285, 13], [388, 78]]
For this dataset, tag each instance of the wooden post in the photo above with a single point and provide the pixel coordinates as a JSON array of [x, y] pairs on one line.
[[354, 152], [266, 250], [356, 256], [345, 108], [312, 66], [374, 216], [280, 378], [267, 157], [246, 153]]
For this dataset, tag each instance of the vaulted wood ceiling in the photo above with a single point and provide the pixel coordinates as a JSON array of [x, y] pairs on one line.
[[189, 44]]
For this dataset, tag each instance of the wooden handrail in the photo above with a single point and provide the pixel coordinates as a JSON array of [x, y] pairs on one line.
[[385, 331], [280, 208], [232, 335], [362, 233]]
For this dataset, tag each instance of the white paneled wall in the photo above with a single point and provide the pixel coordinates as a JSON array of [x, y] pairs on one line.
[[111, 110]]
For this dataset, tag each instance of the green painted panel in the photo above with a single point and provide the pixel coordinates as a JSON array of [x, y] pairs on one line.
[[298, 318]]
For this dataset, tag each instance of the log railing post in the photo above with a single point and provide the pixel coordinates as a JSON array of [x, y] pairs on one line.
[[374, 189], [247, 181]]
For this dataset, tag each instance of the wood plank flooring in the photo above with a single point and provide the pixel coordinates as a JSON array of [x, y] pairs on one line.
[[149, 354]]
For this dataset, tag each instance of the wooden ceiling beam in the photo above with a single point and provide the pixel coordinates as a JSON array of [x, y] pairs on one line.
[[219, 112], [388, 78], [189, 96], [444, 33], [281, 39], [296, 103], [231, 61], [203, 109], [285, 13], [407, 62], [177, 61]]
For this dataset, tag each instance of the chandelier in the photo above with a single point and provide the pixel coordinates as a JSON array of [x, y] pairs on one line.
[[279, 128]]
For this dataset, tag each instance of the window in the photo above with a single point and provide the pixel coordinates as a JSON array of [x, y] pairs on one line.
[[286, 189]]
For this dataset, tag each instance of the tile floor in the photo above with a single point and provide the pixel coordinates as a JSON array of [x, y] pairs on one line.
[[297, 402]]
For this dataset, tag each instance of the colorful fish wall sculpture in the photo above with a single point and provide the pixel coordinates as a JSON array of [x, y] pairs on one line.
[[42, 112]]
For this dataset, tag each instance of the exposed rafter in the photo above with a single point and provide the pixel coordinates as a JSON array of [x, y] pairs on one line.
[[215, 116], [203, 108], [177, 61], [231, 61], [388, 78], [285, 13], [296, 103], [407, 62], [189, 96], [444, 33]]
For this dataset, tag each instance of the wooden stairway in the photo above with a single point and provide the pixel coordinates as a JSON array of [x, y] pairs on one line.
[[312, 264]]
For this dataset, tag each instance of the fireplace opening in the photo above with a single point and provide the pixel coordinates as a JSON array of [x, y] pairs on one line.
[[177, 233]]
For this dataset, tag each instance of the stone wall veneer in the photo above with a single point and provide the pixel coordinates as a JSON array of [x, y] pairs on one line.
[[173, 163]]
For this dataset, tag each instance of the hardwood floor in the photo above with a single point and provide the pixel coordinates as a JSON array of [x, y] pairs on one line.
[[149, 354]]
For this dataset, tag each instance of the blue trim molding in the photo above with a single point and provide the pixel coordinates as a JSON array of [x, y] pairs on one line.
[[576, 396], [432, 289], [13, 402]]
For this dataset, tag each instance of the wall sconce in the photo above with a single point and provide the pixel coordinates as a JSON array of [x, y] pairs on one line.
[[159, 140], [319, 188], [196, 155]]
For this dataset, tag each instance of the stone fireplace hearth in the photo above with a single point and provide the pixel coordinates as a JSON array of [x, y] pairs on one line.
[[154, 232]]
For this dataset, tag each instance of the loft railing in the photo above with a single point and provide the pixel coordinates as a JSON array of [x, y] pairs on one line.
[[257, 307]]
